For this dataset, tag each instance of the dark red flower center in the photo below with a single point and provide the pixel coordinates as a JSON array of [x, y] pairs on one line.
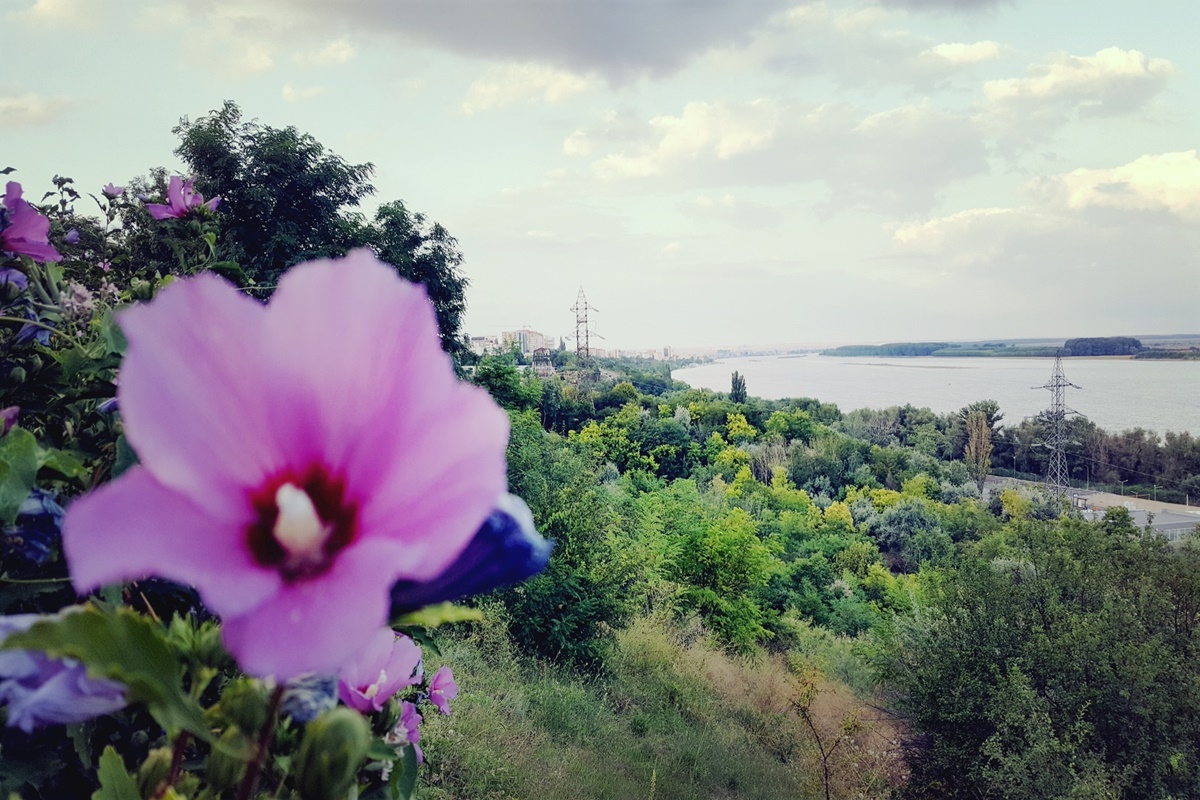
[[336, 520]]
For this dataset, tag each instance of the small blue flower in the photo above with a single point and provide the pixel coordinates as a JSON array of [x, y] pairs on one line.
[[39, 690], [72, 237], [109, 406], [36, 532], [14, 277], [506, 549], [29, 333], [308, 696], [13, 283]]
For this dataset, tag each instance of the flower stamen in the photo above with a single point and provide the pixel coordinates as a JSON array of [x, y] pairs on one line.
[[298, 527]]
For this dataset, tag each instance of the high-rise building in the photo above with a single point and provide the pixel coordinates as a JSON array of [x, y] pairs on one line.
[[526, 340]]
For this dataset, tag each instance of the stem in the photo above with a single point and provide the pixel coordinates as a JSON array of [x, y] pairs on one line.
[[37, 324], [264, 745], [34, 580], [176, 761]]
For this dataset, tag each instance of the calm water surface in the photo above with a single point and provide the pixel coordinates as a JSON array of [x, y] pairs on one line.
[[1116, 394]]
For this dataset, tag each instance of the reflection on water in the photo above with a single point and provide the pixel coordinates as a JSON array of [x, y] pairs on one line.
[[1116, 394]]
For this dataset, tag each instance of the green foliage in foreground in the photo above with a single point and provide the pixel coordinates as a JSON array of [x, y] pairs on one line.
[[1057, 660]]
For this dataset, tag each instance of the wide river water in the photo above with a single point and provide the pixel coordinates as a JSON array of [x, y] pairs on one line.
[[1116, 394]]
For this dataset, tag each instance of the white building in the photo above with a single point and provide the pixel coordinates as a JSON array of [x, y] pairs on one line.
[[526, 340], [484, 345]]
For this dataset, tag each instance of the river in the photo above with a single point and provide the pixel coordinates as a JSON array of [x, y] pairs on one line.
[[1116, 394]]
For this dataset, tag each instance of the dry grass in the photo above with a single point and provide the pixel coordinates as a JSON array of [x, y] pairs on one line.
[[674, 718]]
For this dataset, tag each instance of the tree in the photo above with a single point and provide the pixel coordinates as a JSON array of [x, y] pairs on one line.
[[978, 453], [286, 199], [423, 252], [737, 388]]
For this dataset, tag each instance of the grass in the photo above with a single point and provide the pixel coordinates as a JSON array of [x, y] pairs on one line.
[[673, 717]]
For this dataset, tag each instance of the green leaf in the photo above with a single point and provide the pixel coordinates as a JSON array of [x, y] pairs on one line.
[[63, 463], [20, 458], [115, 782], [380, 750], [125, 647], [440, 614], [114, 337], [403, 781], [126, 458], [81, 735], [228, 269]]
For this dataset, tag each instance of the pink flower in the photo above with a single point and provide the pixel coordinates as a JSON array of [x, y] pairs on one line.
[[443, 689], [407, 730], [388, 663], [104, 266], [182, 197], [113, 192], [296, 459], [27, 232]]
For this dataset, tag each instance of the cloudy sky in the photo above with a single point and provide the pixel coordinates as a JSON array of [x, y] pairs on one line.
[[711, 172]]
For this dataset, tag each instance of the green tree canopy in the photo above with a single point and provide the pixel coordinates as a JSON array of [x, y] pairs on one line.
[[286, 199]]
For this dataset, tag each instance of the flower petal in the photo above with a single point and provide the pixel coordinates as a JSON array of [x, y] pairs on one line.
[[318, 624], [135, 527], [443, 476], [394, 420], [175, 192], [191, 393]]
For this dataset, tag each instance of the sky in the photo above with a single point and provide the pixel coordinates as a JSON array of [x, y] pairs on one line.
[[710, 172]]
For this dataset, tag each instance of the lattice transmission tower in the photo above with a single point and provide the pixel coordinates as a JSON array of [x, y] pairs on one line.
[[1057, 438], [583, 335]]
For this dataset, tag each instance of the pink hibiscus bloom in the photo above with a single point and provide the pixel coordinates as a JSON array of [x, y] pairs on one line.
[[182, 197], [443, 689], [388, 663], [27, 232], [297, 459], [407, 731]]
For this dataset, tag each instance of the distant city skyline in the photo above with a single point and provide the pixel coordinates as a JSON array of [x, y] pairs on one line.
[[826, 171]]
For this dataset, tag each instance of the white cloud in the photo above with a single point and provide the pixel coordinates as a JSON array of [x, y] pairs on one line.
[[896, 161], [521, 83], [29, 109], [339, 51], [252, 58], [56, 12], [1113, 80], [294, 95], [577, 144], [966, 6], [671, 249], [1019, 112], [715, 130], [959, 54], [731, 211], [976, 237], [1155, 183], [1085, 236]]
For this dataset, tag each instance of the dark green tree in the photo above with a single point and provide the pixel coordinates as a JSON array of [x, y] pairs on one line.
[[286, 199], [737, 388]]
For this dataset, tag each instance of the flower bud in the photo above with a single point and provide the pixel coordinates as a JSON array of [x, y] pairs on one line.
[[334, 747], [154, 772], [227, 762], [17, 376], [243, 704]]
